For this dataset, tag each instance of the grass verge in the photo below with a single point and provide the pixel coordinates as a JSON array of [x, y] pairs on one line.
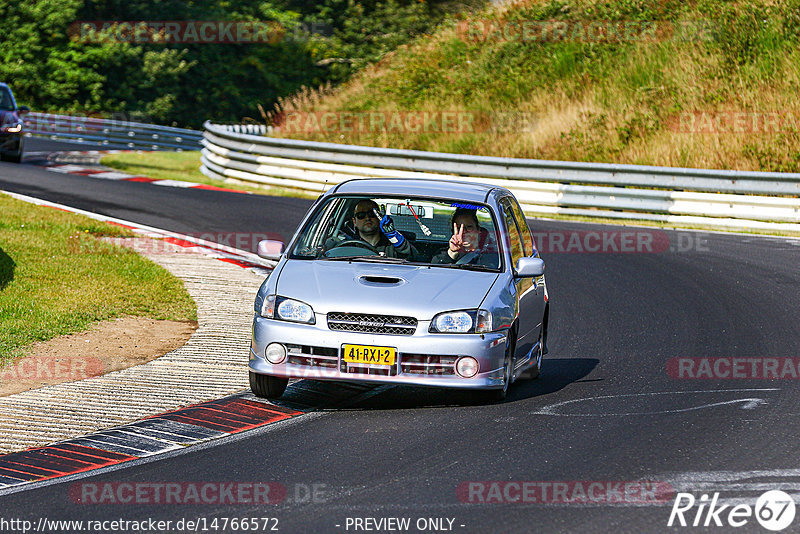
[[184, 166], [57, 277]]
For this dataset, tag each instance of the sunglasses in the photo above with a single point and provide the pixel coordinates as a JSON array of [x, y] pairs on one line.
[[361, 215]]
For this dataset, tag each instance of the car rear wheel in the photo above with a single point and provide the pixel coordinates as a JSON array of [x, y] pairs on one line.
[[267, 387]]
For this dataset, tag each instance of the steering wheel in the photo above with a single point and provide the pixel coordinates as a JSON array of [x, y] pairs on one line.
[[357, 243], [468, 257]]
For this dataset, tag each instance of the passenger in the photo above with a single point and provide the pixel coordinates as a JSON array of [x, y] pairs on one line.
[[381, 234], [468, 238]]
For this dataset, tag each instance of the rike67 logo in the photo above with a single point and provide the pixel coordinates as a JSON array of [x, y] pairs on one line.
[[774, 510]]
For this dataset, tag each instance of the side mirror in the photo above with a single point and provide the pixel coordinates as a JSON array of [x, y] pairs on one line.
[[270, 249], [529, 267], [22, 110]]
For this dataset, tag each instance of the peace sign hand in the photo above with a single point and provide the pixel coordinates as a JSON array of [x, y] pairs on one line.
[[457, 243]]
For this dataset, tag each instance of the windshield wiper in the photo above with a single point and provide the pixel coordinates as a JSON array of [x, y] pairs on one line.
[[374, 259], [466, 266]]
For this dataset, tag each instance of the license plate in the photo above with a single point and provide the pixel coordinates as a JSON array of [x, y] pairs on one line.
[[367, 354]]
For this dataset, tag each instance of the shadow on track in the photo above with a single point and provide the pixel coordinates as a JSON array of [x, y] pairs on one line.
[[557, 373]]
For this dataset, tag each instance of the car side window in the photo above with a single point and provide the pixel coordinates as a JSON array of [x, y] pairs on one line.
[[527, 240], [6, 102], [517, 250]]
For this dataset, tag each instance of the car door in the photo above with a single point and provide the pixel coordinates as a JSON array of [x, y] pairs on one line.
[[530, 293], [540, 287]]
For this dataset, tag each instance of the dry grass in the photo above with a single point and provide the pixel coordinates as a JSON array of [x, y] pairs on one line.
[[593, 102]]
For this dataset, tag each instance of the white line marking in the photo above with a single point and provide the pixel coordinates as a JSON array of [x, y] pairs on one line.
[[67, 168], [111, 175], [174, 183], [728, 476], [749, 403], [712, 487]]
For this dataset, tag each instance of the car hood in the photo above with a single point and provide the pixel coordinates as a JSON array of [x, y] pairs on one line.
[[407, 290]]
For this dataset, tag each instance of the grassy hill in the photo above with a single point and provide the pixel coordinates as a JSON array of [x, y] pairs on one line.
[[708, 83]]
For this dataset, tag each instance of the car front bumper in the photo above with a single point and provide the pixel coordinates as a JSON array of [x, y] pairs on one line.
[[488, 349]]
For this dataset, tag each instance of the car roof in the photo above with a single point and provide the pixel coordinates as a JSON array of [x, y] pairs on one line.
[[445, 189]]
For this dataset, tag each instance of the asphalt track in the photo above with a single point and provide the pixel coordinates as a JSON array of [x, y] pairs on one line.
[[605, 408]]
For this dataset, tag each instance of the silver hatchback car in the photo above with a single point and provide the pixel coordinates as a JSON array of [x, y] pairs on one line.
[[418, 282]]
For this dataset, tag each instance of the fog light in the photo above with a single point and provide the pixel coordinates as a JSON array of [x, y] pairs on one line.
[[467, 367], [276, 353]]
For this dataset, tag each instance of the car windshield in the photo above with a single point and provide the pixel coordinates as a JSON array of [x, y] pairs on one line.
[[6, 102], [347, 228]]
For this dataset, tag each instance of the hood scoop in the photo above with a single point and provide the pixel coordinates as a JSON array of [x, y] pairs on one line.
[[380, 281]]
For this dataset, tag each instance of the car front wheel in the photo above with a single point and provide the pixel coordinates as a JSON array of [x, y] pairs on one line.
[[13, 158], [502, 393], [497, 395], [267, 387], [534, 371]]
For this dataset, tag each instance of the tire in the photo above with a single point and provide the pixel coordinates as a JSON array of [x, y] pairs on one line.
[[266, 386], [533, 372], [13, 158], [499, 395]]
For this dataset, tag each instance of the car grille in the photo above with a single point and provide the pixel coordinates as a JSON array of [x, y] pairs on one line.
[[312, 356], [409, 363], [426, 364], [366, 369], [372, 324]]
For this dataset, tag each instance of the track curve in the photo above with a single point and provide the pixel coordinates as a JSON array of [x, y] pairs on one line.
[[606, 408]]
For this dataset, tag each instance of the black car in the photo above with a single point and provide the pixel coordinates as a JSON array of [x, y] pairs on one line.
[[11, 126]]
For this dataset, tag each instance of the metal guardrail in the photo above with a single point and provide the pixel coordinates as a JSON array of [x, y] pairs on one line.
[[733, 199], [111, 133]]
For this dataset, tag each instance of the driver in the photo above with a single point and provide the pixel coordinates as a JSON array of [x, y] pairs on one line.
[[5, 102], [380, 234], [468, 236]]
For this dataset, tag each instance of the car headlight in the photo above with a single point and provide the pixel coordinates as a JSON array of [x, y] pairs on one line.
[[294, 310], [14, 129], [462, 322], [286, 309]]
